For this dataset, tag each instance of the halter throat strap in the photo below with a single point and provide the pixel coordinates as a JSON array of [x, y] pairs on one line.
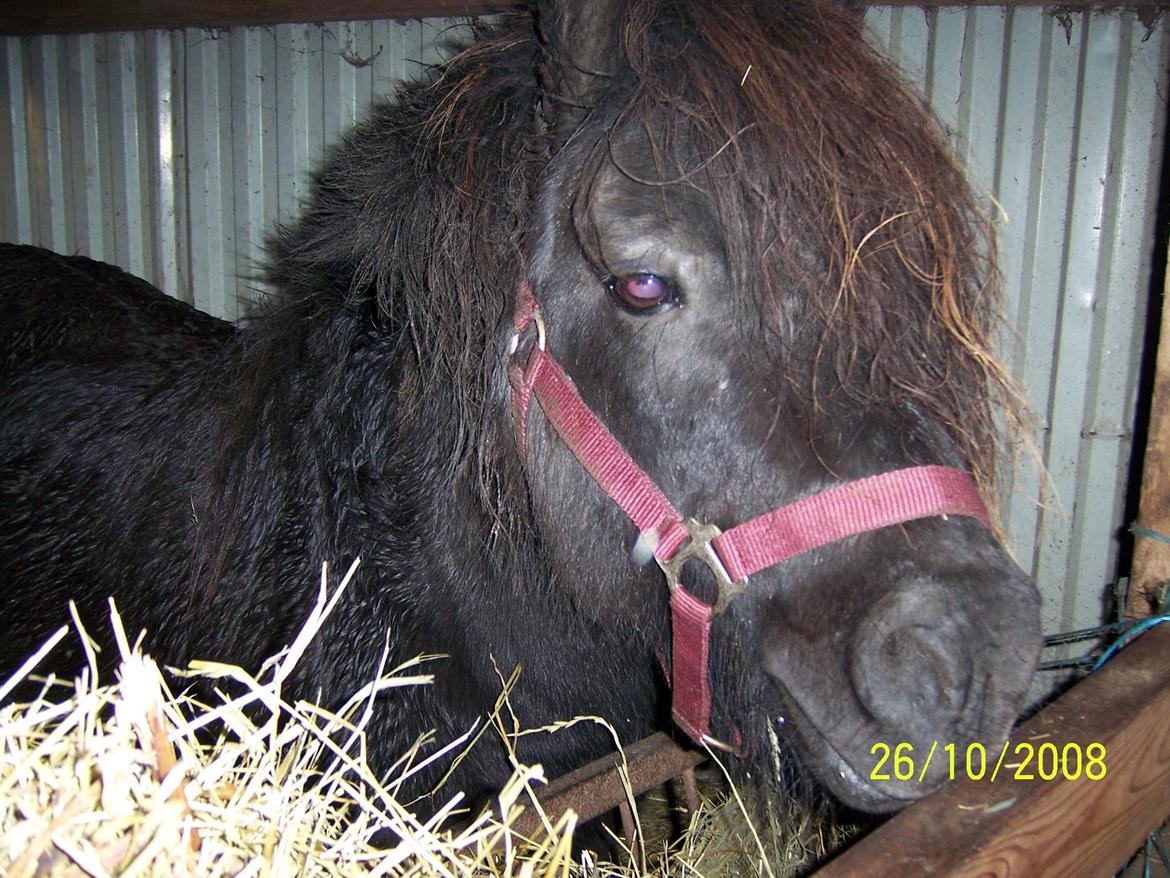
[[852, 508]]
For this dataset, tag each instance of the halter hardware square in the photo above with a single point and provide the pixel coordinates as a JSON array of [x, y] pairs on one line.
[[699, 548]]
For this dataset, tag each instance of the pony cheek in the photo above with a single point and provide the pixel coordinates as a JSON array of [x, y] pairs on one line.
[[593, 543]]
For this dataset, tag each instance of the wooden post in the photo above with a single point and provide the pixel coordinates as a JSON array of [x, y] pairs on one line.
[[1150, 571]]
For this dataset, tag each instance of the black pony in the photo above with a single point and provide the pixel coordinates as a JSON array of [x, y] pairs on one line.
[[763, 272]]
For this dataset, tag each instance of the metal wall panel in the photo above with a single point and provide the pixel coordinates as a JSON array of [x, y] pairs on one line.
[[1061, 123], [172, 153]]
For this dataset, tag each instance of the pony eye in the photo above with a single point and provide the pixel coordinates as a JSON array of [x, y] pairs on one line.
[[642, 291]]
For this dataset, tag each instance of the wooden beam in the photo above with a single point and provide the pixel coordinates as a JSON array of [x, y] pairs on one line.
[[1150, 570], [85, 16], [1072, 828], [1145, 6], [80, 16]]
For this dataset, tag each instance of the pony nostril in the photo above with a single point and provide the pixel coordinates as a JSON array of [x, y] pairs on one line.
[[913, 678]]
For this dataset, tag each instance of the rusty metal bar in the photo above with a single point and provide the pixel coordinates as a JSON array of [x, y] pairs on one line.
[[596, 788]]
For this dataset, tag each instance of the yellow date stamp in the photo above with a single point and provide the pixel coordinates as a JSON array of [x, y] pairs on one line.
[[1028, 761]]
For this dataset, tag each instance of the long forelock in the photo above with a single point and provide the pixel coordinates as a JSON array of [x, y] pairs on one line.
[[844, 208]]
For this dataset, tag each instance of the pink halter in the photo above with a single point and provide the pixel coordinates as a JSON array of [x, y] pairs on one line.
[[733, 556]]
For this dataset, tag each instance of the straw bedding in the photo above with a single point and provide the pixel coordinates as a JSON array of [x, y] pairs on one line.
[[114, 778]]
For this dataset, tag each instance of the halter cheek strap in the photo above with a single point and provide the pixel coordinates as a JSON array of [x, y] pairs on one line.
[[733, 556]]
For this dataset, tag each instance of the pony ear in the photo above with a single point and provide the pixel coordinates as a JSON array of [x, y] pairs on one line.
[[581, 45]]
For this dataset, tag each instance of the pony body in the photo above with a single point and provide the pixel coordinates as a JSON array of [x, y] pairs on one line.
[[826, 320]]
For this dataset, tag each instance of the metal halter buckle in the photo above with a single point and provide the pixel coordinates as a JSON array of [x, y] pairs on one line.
[[699, 548]]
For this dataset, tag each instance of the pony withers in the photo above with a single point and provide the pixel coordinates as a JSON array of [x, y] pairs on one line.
[[614, 267]]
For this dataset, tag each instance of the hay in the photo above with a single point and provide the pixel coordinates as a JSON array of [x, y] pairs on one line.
[[113, 779]]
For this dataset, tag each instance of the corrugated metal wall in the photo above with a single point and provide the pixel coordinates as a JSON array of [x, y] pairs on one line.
[[1061, 122], [172, 152]]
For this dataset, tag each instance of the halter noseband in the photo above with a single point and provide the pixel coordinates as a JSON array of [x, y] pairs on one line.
[[732, 556]]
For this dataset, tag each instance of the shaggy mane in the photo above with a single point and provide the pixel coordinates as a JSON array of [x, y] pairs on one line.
[[417, 217]]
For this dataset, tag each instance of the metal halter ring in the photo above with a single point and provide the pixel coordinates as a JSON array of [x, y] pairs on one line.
[[699, 548], [540, 333]]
